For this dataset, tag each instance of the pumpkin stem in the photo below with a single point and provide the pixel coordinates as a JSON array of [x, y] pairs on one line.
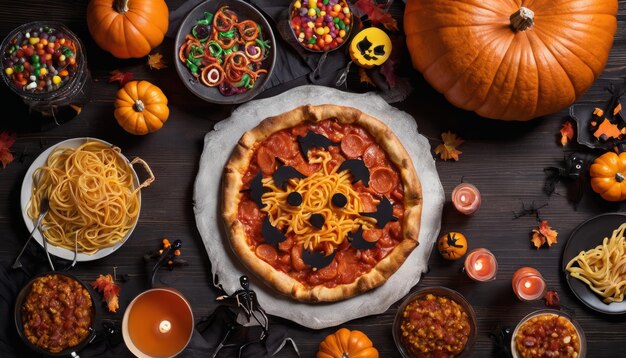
[[619, 177], [522, 19], [120, 6], [138, 106], [344, 355]]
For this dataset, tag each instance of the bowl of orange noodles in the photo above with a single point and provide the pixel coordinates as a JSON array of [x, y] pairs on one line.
[[592, 261], [94, 194], [225, 51]]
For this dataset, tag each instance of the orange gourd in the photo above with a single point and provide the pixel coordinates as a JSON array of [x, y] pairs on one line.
[[141, 107], [608, 176], [506, 61], [452, 245], [127, 28], [347, 344]]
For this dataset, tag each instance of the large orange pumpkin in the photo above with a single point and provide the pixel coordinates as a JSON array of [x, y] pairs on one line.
[[608, 176], [510, 59], [347, 344], [127, 28], [141, 107]]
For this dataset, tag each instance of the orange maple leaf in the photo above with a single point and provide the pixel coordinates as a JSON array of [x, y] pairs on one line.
[[567, 133], [110, 291], [6, 141], [544, 234], [377, 14], [447, 150], [155, 61]]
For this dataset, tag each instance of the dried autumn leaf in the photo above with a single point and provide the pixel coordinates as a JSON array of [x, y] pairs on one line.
[[365, 78], [552, 299], [544, 234], [156, 61], [121, 77], [447, 150], [6, 141], [109, 289], [376, 14], [567, 133]]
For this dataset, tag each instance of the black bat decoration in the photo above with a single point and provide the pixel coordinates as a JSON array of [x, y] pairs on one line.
[[313, 140], [271, 235], [383, 214], [358, 169], [284, 173], [358, 242], [257, 189], [317, 259], [576, 165]]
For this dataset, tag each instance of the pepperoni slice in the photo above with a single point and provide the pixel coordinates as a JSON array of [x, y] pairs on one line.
[[374, 156], [266, 160], [383, 179], [283, 145], [296, 258], [329, 272], [353, 146], [372, 235], [267, 253], [368, 202], [249, 211], [286, 245]]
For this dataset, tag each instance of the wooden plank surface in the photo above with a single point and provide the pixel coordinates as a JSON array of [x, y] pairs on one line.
[[504, 160]]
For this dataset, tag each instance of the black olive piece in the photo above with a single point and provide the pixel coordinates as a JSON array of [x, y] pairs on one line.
[[339, 200], [317, 220], [294, 198]]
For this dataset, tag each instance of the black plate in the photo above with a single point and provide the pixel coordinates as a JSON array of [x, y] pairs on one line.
[[586, 236], [244, 11]]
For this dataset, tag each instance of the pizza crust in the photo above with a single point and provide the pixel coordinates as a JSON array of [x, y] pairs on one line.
[[232, 182]]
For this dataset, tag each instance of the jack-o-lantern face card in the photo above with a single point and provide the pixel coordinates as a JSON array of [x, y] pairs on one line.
[[321, 202]]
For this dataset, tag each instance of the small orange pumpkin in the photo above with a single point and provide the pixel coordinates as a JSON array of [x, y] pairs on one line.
[[127, 28], [141, 107], [347, 344], [452, 245], [608, 176]]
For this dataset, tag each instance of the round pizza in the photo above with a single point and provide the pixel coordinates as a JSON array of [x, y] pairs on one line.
[[321, 202]]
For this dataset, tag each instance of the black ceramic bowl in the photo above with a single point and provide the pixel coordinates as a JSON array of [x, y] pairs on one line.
[[21, 297], [245, 11]]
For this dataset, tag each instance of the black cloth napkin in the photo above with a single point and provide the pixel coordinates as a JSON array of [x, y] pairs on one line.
[[108, 343]]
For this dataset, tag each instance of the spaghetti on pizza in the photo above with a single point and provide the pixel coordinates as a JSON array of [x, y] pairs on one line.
[[321, 202]]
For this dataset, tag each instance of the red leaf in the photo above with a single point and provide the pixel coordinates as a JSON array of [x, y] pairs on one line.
[[567, 133], [121, 77], [6, 141], [109, 289], [552, 299], [376, 14], [387, 70]]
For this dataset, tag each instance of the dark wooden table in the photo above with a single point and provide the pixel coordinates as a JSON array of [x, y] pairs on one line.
[[504, 160]]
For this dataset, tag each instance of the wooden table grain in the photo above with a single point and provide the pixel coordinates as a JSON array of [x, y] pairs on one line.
[[504, 160]]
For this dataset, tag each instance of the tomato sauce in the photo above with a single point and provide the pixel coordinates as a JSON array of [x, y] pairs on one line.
[[354, 142]]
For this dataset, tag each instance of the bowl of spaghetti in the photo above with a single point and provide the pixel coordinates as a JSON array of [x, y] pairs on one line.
[[225, 51], [94, 195]]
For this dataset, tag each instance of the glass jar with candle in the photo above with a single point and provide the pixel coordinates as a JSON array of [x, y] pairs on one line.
[[45, 65], [528, 284], [466, 198], [481, 265]]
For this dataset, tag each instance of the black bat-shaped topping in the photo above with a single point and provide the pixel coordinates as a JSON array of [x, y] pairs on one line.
[[383, 214], [271, 235], [284, 173], [358, 242], [358, 169], [317, 259], [257, 189], [313, 140]]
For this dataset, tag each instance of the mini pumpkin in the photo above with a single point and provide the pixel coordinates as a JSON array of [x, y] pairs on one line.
[[608, 176], [507, 61], [370, 47], [141, 107], [347, 344], [452, 245], [127, 28]]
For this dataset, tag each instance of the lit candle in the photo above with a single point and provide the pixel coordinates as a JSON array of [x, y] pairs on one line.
[[165, 326], [466, 198], [528, 284], [481, 265]]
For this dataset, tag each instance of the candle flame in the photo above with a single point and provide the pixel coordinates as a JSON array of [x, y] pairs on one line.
[[165, 326], [478, 265], [527, 284]]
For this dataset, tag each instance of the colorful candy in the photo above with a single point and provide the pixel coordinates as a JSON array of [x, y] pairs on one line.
[[320, 25], [40, 59]]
